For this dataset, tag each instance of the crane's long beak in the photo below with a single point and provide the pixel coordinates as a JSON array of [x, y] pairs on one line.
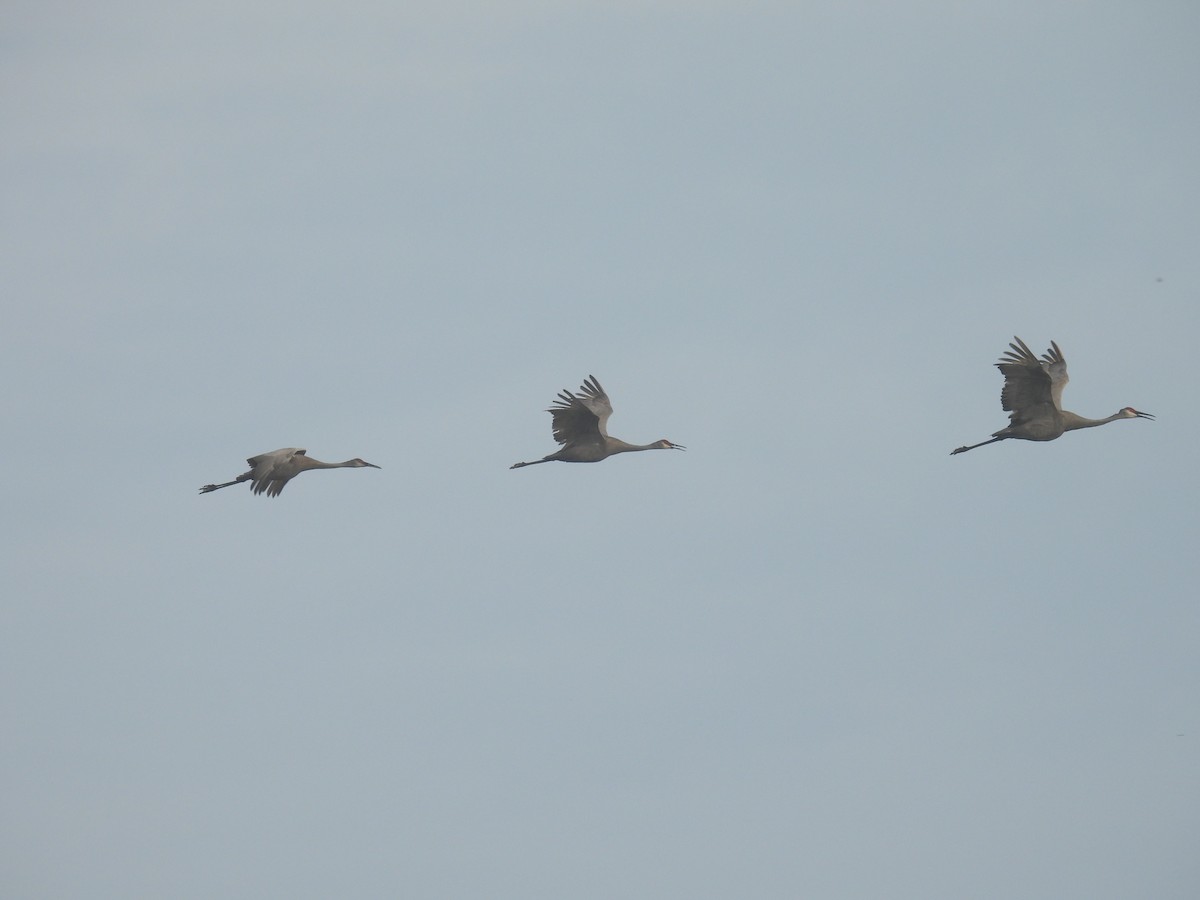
[[678, 447], [1142, 415]]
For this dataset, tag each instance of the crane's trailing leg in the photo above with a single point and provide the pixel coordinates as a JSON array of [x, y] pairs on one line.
[[217, 487], [534, 463], [973, 446]]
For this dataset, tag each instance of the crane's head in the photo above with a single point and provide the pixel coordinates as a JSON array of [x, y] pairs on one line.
[[360, 463], [1130, 413], [664, 444]]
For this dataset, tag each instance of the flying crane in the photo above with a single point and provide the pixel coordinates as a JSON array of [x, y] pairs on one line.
[[1032, 396]]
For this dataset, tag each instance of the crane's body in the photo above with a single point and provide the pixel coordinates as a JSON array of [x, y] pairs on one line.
[[580, 424], [270, 472], [1032, 396]]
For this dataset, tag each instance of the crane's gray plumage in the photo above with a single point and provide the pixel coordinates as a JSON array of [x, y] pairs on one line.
[[270, 472], [580, 424], [1032, 396]]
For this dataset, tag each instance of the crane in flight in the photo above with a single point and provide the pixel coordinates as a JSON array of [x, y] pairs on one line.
[[580, 424], [1032, 396], [270, 472]]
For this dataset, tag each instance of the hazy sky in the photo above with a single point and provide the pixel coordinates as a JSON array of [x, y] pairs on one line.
[[812, 657]]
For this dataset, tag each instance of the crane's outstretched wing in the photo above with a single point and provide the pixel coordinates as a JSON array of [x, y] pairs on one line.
[[273, 487], [1056, 367], [1027, 384], [275, 456], [581, 418], [270, 471]]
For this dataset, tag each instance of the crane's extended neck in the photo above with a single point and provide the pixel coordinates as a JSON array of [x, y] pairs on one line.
[[1073, 422], [307, 462], [616, 445]]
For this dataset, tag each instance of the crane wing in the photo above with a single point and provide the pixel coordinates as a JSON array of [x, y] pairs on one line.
[[274, 457], [583, 418], [271, 471], [1027, 383], [1056, 367], [597, 401]]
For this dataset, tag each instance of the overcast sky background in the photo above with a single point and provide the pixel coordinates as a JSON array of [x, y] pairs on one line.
[[814, 656]]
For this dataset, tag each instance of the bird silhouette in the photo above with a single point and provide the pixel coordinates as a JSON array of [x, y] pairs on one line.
[[270, 472], [1032, 396], [580, 424]]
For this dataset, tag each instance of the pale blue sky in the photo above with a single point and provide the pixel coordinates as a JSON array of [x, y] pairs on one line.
[[814, 656]]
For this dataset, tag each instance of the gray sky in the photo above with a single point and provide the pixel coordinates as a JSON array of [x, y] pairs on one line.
[[814, 656]]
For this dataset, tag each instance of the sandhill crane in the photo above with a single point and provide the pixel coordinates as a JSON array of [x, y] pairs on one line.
[[272, 471], [1033, 395], [580, 425]]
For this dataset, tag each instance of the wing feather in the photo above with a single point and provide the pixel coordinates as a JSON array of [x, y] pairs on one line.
[[597, 401], [581, 419], [1055, 365], [1027, 383]]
